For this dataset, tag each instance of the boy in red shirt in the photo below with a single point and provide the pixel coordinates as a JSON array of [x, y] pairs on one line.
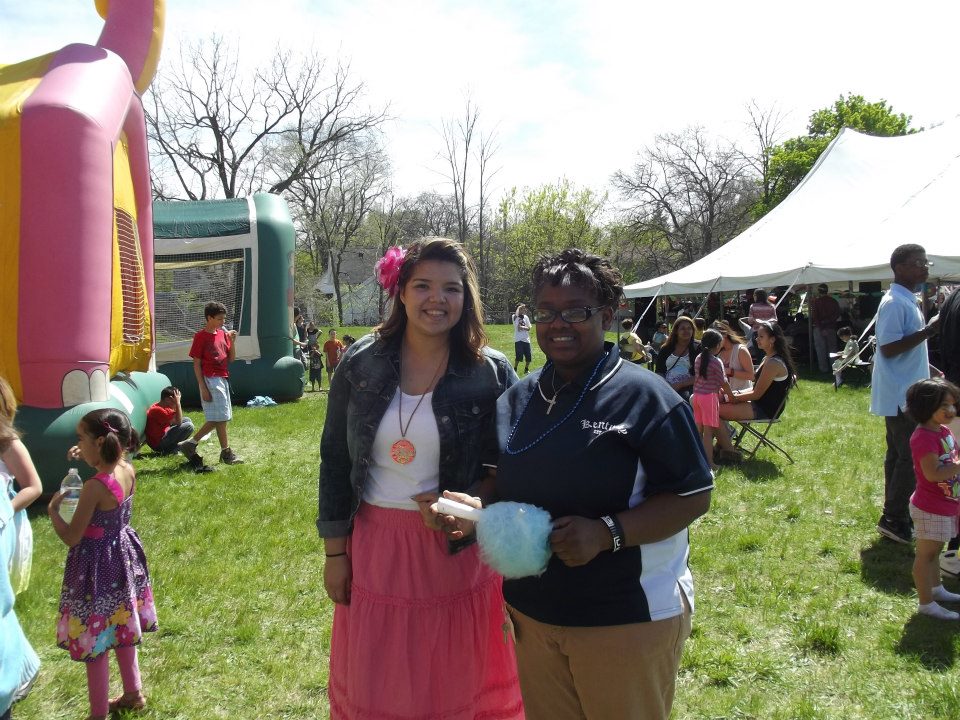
[[333, 349], [212, 351], [167, 427]]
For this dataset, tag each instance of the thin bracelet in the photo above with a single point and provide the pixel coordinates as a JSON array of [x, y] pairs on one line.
[[335, 554]]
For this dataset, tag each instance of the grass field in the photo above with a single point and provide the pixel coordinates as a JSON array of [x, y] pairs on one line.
[[802, 610]]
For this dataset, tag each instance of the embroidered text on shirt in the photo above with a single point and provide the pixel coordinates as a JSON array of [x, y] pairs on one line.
[[600, 426]]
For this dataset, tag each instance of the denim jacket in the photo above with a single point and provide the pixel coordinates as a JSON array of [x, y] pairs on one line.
[[464, 404]]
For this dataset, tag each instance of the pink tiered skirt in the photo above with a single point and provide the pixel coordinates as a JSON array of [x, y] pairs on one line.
[[422, 637]]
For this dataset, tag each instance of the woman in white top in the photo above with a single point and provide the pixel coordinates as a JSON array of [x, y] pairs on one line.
[[737, 363], [411, 412], [676, 357]]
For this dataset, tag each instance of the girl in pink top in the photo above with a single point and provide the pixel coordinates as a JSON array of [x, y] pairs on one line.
[[710, 379], [761, 309], [935, 504], [106, 603]]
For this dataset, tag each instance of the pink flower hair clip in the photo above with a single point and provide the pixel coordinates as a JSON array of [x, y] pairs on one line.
[[387, 269]]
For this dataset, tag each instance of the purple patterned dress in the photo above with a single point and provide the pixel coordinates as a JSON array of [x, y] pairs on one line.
[[106, 601]]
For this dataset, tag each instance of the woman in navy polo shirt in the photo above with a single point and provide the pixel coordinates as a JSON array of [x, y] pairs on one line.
[[612, 452]]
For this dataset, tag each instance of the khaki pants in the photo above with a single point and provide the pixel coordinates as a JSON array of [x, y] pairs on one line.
[[616, 672]]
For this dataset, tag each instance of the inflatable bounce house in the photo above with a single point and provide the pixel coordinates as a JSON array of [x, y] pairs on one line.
[[239, 253], [76, 232]]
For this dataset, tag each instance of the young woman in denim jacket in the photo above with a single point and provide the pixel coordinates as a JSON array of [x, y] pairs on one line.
[[417, 628]]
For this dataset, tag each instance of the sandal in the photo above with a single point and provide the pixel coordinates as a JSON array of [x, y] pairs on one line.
[[128, 701]]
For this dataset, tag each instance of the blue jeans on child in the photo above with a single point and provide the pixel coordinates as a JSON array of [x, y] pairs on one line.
[[175, 434]]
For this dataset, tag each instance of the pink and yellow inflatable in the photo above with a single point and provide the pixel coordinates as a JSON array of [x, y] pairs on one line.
[[76, 235], [76, 228]]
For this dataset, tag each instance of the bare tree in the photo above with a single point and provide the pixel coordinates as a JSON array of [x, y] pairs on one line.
[[429, 213], [215, 130], [687, 195], [766, 127], [384, 221], [457, 140], [488, 148], [334, 200]]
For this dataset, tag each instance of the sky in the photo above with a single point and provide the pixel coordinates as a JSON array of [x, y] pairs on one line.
[[571, 88]]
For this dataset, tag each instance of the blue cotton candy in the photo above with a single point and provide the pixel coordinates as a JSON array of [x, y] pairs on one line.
[[514, 538]]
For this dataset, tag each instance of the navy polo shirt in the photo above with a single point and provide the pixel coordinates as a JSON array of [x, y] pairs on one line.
[[630, 437]]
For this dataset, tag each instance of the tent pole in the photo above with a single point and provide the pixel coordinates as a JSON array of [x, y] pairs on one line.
[[705, 298], [636, 324], [795, 281]]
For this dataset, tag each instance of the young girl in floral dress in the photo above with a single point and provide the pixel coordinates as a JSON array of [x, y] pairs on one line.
[[107, 601]]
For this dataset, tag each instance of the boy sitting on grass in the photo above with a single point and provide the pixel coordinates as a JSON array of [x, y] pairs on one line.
[[167, 428]]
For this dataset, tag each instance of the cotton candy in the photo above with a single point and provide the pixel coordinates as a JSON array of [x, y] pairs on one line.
[[514, 538]]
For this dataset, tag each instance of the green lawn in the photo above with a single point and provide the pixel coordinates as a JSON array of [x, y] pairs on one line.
[[802, 611]]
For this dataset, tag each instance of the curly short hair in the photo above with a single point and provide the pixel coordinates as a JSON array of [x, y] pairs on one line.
[[214, 308], [583, 270], [903, 252]]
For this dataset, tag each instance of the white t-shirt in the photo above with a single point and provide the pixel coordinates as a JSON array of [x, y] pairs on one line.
[[390, 484], [678, 368], [521, 328]]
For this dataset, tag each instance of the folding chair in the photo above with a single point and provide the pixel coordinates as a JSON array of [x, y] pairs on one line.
[[858, 363], [759, 430]]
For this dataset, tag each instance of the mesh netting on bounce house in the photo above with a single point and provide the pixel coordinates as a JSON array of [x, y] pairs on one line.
[[240, 253]]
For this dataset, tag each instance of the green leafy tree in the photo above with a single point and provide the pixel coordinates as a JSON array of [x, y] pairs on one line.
[[790, 161], [536, 222]]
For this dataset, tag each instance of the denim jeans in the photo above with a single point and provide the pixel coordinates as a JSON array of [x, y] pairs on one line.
[[175, 434]]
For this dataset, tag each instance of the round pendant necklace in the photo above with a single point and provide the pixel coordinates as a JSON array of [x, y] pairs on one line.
[[403, 451]]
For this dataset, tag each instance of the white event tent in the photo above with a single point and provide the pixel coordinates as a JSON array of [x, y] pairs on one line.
[[864, 197]]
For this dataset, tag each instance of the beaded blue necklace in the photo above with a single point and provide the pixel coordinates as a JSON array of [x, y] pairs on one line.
[[583, 393]]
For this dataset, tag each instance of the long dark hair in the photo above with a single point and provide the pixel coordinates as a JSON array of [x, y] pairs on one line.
[[711, 339], [115, 429], [671, 342], [467, 337], [781, 347]]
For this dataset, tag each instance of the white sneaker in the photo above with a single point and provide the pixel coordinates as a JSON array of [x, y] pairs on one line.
[[941, 594], [950, 563], [936, 611]]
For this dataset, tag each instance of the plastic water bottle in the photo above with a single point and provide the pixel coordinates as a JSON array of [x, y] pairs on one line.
[[70, 488]]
